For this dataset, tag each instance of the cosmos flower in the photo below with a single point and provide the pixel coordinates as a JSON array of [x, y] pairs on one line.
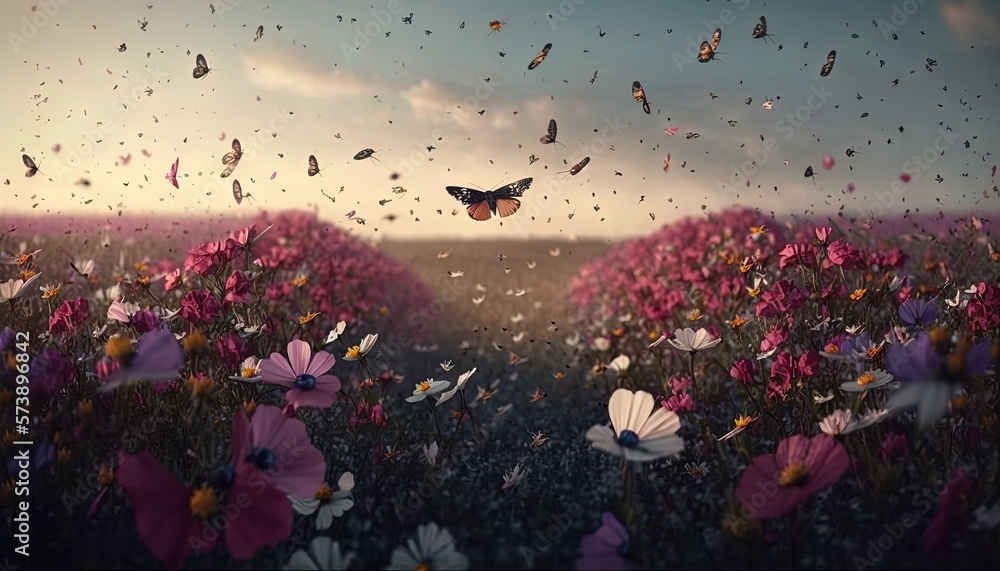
[[866, 381], [303, 374], [606, 548], [280, 447], [427, 388], [324, 554], [13, 289], [867, 419], [433, 548], [636, 435], [836, 422], [620, 364], [514, 477], [918, 312], [249, 371], [328, 503], [359, 351], [156, 357], [459, 385], [691, 341], [776, 483]]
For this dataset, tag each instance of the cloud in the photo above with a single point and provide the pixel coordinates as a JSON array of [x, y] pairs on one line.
[[280, 70], [970, 20]]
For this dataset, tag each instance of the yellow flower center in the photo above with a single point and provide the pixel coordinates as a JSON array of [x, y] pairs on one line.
[[831, 348], [144, 280], [737, 322], [28, 274], [694, 315], [50, 292], [195, 343], [64, 455], [383, 310], [727, 257], [106, 476], [300, 282], [201, 386], [324, 493], [742, 421], [653, 335], [424, 566], [248, 372], [203, 503], [754, 292], [744, 268], [119, 348], [354, 353], [424, 386], [858, 294], [793, 475], [956, 359], [757, 230], [618, 332], [865, 379], [695, 472], [874, 352], [140, 267]]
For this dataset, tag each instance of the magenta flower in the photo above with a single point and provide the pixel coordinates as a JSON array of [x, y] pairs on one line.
[[947, 521], [232, 350], [200, 306], [70, 315], [607, 547], [306, 379], [145, 321], [782, 297], [774, 337], [775, 484], [744, 371], [280, 448], [238, 288]]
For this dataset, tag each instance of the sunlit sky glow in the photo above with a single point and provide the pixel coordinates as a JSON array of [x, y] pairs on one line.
[[400, 93]]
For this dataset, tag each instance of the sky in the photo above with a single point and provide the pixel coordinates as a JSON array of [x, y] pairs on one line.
[[96, 82]]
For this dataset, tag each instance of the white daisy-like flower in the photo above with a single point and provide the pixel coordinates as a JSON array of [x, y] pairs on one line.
[[867, 419], [324, 554], [514, 477], [868, 380], [433, 548], [427, 388], [635, 434], [689, 340], [459, 385], [820, 399], [837, 422], [431, 453], [854, 329], [602, 344], [13, 289], [359, 351], [336, 332], [447, 365], [620, 364], [696, 470], [249, 371], [328, 503]]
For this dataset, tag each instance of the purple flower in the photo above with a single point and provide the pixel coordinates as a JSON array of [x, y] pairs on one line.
[[918, 312], [158, 356], [606, 548], [145, 321], [280, 447], [51, 371]]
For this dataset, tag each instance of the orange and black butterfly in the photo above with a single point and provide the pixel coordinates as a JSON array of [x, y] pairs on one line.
[[232, 158], [201, 68], [30, 163], [503, 201], [828, 66], [313, 166], [540, 57], [575, 170], [760, 31], [639, 94], [550, 136], [707, 51]]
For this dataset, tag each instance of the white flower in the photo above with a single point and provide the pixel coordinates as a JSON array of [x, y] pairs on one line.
[[868, 380], [462, 379], [433, 548], [854, 329], [836, 423], [431, 453], [866, 420], [330, 504], [658, 341], [690, 340], [447, 366], [359, 351], [896, 283], [634, 433], [426, 389], [249, 371], [336, 332], [620, 364], [11, 290], [820, 399], [324, 553], [513, 478], [766, 354], [986, 518], [602, 343], [122, 311], [696, 470]]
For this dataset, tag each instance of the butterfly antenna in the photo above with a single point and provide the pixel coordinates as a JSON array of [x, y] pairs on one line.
[[558, 143]]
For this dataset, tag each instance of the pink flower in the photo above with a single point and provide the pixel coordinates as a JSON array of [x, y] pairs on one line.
[[775, 484], [679, 403], [797, 255], [744, 371], [984, 309], [238, 288], [823, 234], [172, 280], [808, 364], [606, 548], [938, 532], [680, 384], [782, 297], [775, 336], [303, 375], [894, 447], [70, 315], [281, 449], [232, 350], [200, 306], [368, 414], [841, 253]]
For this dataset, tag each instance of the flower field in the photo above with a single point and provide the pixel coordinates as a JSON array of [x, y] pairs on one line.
[[729, 391]]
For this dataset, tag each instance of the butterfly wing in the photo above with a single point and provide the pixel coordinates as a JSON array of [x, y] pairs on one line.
[[199, 60], [514, 189], [831, 58], [552, 129], [580, 165], [200, 67], [809, 172], [507, 206], [32, 167], [645, 106], [705, 52], [237, 191], [479, 211], [637, 92], [313, 166], [540, 57], [466, 196], [716, 38]]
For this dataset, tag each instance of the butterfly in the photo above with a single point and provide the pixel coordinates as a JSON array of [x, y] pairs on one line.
[[760, 30], [550, 137], [638, 94], [671, 131], [503, 201], [408, 20], [32, 167], [125, 159], [828, 66], [365, 154], [260, 33], [172, 175], [495, 26], [575, 170], [313, 166], [666, 162], [540, 57], [809, 174], [232, 159], [707, 51], [238, 192], [201, 68]]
